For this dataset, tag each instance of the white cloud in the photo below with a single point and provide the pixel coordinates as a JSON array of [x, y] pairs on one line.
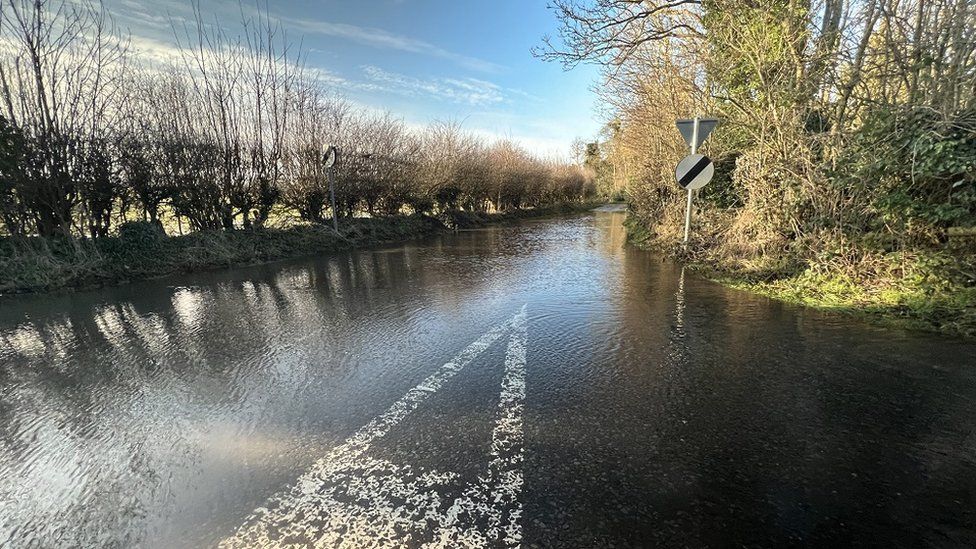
[[470, 91], [383, 39], [156, 53], [542, 147], [138, 14]]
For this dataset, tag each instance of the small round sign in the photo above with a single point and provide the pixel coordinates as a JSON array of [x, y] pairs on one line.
[[331, 155], [694, 171]]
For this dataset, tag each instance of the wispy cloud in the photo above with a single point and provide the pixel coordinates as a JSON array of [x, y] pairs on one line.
[[459, 90], [380, 38], [155, 53], [138, 15], [160, 17]]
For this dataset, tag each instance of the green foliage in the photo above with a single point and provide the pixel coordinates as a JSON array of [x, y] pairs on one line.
[[916, 166], [723, 191], [928, 291], [638, 232], [141, 234], [598, 163], [753, 46]]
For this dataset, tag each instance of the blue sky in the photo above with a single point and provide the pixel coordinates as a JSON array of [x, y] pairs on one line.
[[419, 59]]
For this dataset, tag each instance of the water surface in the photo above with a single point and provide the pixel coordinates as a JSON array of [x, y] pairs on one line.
[[659, 409]]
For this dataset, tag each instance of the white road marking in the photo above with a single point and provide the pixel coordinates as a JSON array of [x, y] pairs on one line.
[[350, 499], [495, 497], [507, 444]]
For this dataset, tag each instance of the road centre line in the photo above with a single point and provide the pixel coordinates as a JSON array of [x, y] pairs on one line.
[[393, 498]]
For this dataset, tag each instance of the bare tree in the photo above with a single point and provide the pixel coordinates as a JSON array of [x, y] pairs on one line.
[[59, 75], [612, 31]]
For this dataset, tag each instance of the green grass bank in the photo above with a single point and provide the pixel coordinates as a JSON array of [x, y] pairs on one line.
[[927, 289], [141, 251]]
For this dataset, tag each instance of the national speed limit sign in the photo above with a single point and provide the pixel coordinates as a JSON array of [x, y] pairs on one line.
[[694, 171]]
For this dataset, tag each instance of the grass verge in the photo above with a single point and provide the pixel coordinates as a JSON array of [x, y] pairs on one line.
[[944, 307], [931, 290]]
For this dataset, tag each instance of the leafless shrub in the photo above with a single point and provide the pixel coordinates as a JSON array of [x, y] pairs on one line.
[[224, 137]]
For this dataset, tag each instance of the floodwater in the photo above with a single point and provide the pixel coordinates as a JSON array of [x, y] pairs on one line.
[[538, 384]]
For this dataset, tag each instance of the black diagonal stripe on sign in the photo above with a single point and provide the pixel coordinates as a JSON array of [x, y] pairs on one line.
[[694, 171]]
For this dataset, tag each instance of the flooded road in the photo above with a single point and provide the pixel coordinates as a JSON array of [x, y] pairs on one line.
[[537, 385]]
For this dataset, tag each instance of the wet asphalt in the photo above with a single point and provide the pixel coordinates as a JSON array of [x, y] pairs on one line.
[[533, 385]]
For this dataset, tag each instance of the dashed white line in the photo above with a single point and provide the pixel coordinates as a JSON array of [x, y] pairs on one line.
[[350, 499]]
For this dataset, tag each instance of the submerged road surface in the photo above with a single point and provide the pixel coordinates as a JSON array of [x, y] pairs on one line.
[[538, 385]]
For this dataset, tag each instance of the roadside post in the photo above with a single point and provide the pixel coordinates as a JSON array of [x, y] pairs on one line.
[[329, 159], [695, 170]]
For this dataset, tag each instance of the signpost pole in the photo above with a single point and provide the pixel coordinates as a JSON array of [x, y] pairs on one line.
[[335, 213], [330, 156], [694, 150]]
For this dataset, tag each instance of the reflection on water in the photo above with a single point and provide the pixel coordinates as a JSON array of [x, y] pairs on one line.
[[142, 411], [162, 413]]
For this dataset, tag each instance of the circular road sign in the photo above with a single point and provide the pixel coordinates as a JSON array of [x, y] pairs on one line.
[[694, 171], [331, 155]]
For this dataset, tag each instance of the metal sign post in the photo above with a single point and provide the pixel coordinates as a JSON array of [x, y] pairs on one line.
[[694, 150], [695, 170], [330, 158]]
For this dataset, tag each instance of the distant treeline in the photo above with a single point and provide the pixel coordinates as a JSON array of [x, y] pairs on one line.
[[228, 133]]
